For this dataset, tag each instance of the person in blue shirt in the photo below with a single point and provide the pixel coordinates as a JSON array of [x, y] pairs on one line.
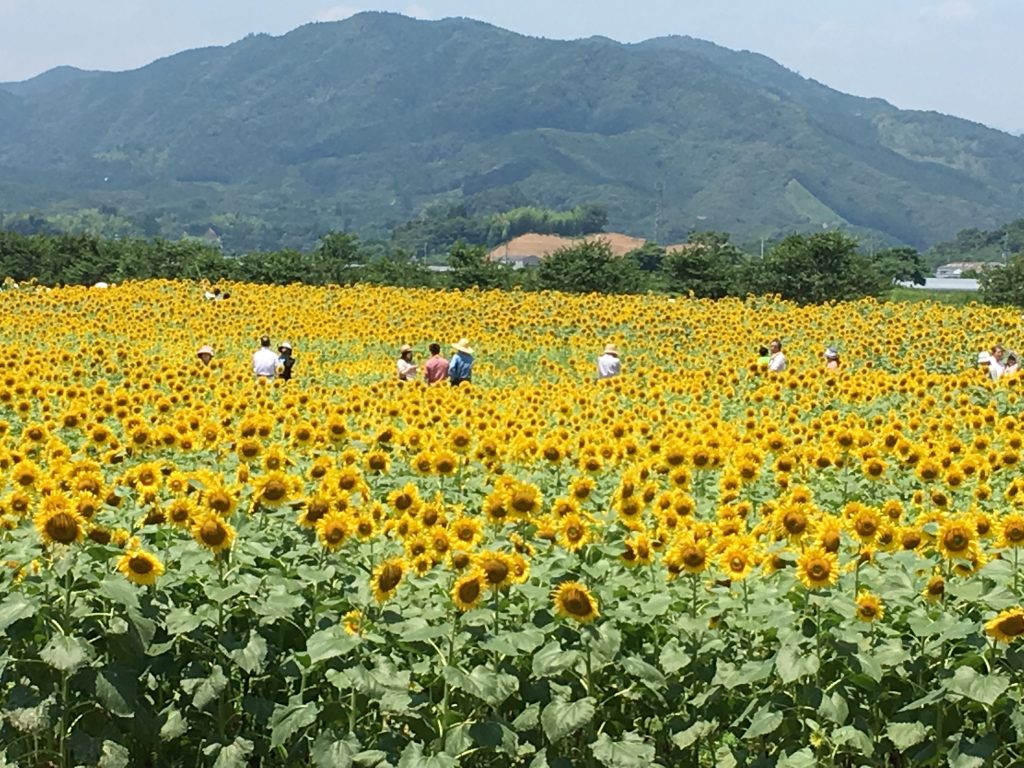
[[460, 368]]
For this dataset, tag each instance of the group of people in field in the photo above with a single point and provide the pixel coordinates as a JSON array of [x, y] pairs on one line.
[[456, 371], [998, 362]]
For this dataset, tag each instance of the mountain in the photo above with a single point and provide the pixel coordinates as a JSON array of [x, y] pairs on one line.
[[364, 123]]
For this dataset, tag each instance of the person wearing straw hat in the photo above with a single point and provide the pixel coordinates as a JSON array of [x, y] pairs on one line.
[[285, 362], [608, 364], [205, 353], [406, 367], [460, 367]]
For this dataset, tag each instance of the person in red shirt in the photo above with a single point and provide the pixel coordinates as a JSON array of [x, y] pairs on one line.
[[436, 368]]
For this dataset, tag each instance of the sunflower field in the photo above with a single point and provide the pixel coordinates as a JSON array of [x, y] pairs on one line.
[[697, 563]]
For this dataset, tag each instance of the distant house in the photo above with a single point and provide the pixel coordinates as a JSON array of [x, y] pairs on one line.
[[958, 268], [528, 250]]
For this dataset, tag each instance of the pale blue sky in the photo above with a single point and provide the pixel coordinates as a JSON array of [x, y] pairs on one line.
[[954, 56]]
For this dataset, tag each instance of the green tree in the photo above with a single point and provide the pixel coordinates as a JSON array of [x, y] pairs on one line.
[[826, 266], [470, 268], [337, 258], [901, 264], [590, 267], [1004, 285]]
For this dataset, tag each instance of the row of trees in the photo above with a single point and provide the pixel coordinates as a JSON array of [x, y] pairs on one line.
[[804, 268]]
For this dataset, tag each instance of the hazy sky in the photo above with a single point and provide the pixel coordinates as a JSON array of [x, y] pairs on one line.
[[954, 56]]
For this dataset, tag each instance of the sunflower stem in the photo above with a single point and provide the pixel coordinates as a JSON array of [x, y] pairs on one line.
[[1016, 575]]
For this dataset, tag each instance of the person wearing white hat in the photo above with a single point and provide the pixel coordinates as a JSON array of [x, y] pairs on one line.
[[608, 364], [832, 359], [285, 362], [205, 353], [460, 367], [406, 367]]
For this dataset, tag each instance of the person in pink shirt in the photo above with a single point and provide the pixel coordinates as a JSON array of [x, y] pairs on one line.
[[436, 368]]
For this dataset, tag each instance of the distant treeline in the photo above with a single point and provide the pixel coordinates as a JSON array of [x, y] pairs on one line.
[[804, 268]]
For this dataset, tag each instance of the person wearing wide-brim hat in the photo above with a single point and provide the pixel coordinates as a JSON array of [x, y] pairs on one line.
[[286, 361], [205, 353], [460, 367], [406, 367], [608, 364]]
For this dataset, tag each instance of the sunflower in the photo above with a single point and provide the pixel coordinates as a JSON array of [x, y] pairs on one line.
[[275, 488], [469, 589], [180, 512], [314, 508], [573, 532], [572, 600], [386, 578], [1011, 530], [467, 531], [738, 559], [581, 488], [405, 499], [497, 568], [140, 567], [817, 568], [213, 532], [353, 622], [637, 551], [524, 500], [935, 589], [333, 529], [444, 463], [1007, 626], [219, 500], [58, 521], [957, 540], [869, 607]]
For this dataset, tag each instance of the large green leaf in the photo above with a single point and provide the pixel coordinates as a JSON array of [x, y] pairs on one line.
[[66, 653], [484, 683], [328, 643], [250, 658], [413, 757], [233, 755], [290, 719], [630, 752], [205, 690], [906, 735], [116, 692], [552, 659], [978, 687], [699, 730], [793, 662], [763, 722], [15, 608], [562, 718], [174, 725], [854, 737]]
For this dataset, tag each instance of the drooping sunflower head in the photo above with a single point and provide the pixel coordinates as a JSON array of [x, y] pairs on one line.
[[386, 578], [58, 521], [572, 600], [469, 589], [140, 567], [1007, 626], [497, 568], [213, 532], [1011, 530]]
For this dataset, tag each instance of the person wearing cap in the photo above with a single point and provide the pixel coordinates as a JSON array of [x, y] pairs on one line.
[[205, 353], [777, 360], [285, 362], [460, 368], [264, 360], [406, 367], [832, 359], [436, 367], [608, 364]]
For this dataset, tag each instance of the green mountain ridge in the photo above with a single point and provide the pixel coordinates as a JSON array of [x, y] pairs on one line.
[[365, 123]]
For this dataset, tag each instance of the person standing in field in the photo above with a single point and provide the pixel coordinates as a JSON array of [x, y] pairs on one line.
[[205, 354], [406, 367], [832, 359], [286, 361], [608, 364], [777, 360], [436, 367], [460, 368], [264, 360], [995, 364]]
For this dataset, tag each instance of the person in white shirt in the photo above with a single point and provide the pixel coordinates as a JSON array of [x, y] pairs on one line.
[[777, 361], [995, 363], [406, 367], [608, 364], [264, 360]]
